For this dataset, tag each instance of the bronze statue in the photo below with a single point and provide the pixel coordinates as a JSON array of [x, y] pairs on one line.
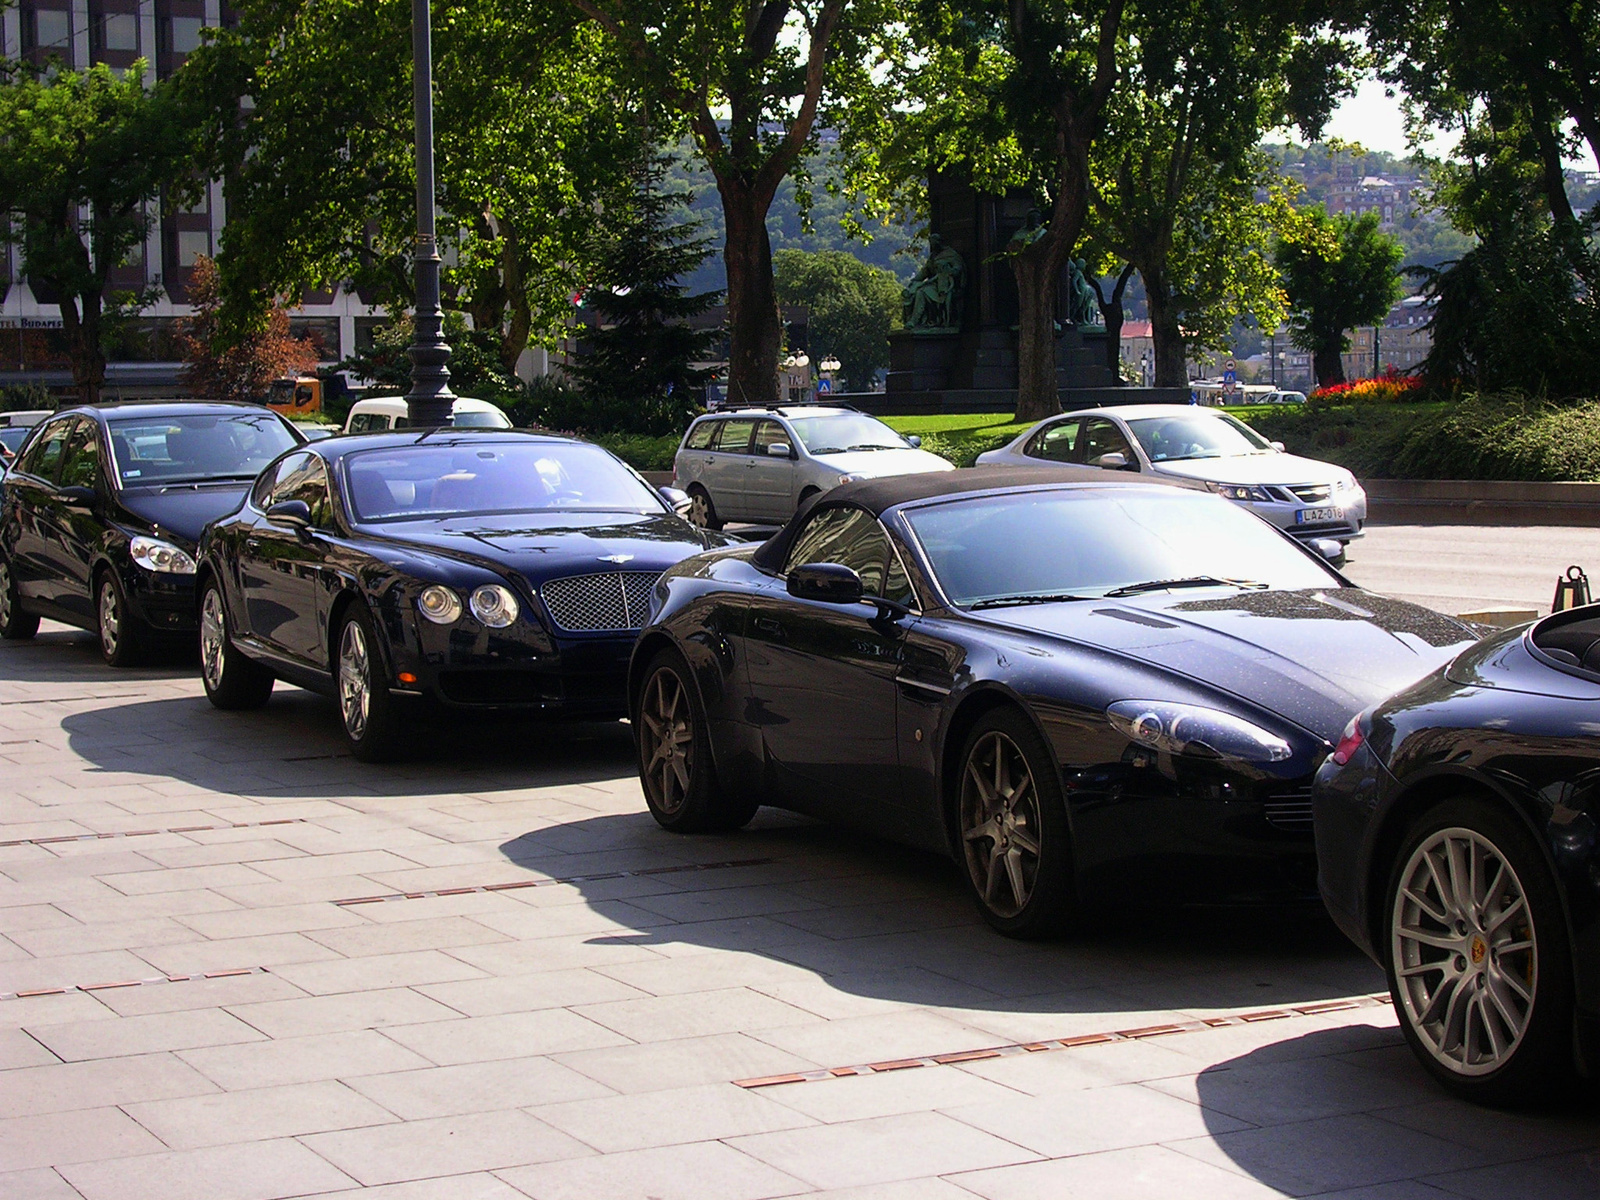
[[933, 300], [1083, 304]]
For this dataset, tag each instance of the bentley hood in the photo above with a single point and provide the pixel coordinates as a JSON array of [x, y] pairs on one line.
[[1315, 657], [184, 509]]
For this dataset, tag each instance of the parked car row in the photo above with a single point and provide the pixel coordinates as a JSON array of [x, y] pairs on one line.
[[1087, 685]]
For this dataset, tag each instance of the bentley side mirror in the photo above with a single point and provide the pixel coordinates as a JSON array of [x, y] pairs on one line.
[[78, 496], [677, 499], [830, 583], [915, 442], [1114, 461], [1278, 446], [780, 450], [296, 514]]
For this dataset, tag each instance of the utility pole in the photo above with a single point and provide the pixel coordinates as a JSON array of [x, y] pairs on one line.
[[429, 402]]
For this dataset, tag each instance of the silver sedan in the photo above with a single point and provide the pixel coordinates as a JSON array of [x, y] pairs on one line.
[[1309, 499]]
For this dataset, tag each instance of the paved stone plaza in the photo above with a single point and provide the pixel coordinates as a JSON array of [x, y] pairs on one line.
[[585, 1034]]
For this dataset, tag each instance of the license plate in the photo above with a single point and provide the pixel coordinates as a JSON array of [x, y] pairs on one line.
[[1315, 516]]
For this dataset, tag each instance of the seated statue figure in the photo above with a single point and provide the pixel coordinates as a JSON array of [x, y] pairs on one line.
[[1084, 304], [932, 300]]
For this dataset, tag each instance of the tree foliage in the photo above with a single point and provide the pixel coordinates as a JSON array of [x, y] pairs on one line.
[[83, 158], [852, 308], [244, 368], [1338, 272]]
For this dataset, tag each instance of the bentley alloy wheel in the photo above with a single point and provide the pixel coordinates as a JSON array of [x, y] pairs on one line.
[[1481, 983], [676, 771], [355, 681], [668, 739], [232, 679], [373, 724], [1011, 823], [213, 639]]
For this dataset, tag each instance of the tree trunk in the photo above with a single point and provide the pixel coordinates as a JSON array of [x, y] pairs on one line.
[[1036, 269], [1111, 312], [1329, 366], [754, 327], [83, 344], [1172, 366]]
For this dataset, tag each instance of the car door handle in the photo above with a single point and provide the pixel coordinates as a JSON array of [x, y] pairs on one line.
[[252, 543], [769, 625]]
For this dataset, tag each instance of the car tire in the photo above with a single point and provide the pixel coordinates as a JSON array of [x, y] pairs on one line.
[[701, 511], [232, 679], [124, 641], [674, 747], [15, 625], [1011, 828], [373, 726], [1507, 952]]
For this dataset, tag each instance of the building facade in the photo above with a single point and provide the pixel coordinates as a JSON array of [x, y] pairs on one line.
[[1403, 340]]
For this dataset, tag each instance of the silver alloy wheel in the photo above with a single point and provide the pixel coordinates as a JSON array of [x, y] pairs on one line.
[[1464, 951], [355, 680], [5, 594], [213, 638], [110, 618], [1000, 824], [669, 737], [699, 509]]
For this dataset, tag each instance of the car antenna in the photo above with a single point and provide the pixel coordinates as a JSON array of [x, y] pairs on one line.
[[426, 434]]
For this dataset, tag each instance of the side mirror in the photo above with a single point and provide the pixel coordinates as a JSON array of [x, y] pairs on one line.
[[780, 450], [78, 496], [1114, 461], [1330, 548], [915, 442], [1278, 446], [831, 583], [677, 499], [294, 513]]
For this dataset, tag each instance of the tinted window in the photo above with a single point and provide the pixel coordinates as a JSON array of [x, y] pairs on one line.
[[44, 455], [270, 480], [196, 446], [1196, 435], [733, 437], [1089, 542], [769, 433], [1103, 437], [845, 431], [82, 467], [1058, 443], [700, 435], [847, 536], [490, 477], [306, 480]]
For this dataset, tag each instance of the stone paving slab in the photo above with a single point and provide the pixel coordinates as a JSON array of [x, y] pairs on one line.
[[225, 1011]]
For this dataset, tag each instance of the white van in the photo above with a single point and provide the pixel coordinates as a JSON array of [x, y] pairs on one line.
[[379, 413]]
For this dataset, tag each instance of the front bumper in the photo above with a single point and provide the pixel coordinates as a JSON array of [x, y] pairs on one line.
[[162, 601], [1286, 515]]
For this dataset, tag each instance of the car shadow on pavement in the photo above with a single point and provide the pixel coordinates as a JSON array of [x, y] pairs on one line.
[[1350, 1108], [880, 922]]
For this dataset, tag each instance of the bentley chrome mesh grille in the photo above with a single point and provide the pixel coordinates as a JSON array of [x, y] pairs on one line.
[[610, 601]]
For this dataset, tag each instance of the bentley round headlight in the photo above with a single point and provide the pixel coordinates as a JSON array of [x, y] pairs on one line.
[[494, 605], [439, 604]]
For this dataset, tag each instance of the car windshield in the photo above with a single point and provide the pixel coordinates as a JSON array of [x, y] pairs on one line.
[[12, 437], [408, 482], [467, 418], [1083, 543], [1196, 435], [838, 432], [195, 447]]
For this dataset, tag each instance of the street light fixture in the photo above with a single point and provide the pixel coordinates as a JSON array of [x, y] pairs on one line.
[[430, 401]]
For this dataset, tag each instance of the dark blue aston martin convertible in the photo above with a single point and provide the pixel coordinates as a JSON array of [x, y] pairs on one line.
[[475, 570]]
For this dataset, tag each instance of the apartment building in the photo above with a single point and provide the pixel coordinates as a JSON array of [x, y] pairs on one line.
[[116, 32]]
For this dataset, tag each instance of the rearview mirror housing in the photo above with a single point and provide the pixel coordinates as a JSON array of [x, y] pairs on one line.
[[915, 441], [780, 450], [1278, 446], [294, 513], [1114, 461], [78, 496], [677, 499], [830, 583]]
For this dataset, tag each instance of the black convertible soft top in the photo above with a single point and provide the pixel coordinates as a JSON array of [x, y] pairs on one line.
[[877, 496]]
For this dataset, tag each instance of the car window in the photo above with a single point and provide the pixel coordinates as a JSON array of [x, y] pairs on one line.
[[837, 432], [847, 536], [303, 477], [193, 447], [1196, 435], [261, 494], [700, 435], [82, 465], [1101, 436], [43, 458], [367, 422], [1055, 443], [480, 418], [734, 437], [770, 433]]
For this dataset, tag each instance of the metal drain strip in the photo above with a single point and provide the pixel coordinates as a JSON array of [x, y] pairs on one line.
[[102, 987], [100, 837], [1066, 1043], [564, 880]]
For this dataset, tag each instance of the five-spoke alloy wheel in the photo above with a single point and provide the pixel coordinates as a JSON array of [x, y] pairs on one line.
[[675, 767]]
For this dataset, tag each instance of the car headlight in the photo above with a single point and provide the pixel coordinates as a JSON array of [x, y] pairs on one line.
[[494, 605], [439, 604], [1347, 484], [1191, 729], [850, 478], [1243, 491], [163, 557]]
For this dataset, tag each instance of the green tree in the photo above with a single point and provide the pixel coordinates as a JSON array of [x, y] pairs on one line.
[[636, 371], [750, 78], [852, 307], [1338, 272], [83, 158]]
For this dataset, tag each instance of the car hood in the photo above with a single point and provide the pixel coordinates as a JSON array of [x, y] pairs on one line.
[[873, 464], [184, 509], [542, 546], [1253, 468], [1315, 657]]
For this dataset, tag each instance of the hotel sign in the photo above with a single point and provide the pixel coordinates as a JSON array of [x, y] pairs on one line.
[[30, 323]]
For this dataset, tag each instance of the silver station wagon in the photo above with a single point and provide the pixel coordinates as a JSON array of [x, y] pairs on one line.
[[759, 465]]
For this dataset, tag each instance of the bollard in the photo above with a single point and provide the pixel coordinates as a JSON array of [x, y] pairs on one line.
[[1572, 590]]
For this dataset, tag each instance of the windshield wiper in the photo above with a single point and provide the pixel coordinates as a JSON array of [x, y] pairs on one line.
[[826, 449], [1006, 601], [875, 446], [1157, 585]]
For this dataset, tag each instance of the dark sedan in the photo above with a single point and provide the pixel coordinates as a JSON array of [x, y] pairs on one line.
[[101, 512], [471, 569], [1086, 687], [1457, 833]]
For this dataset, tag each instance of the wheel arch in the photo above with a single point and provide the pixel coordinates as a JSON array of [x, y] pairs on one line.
[[343, 600]]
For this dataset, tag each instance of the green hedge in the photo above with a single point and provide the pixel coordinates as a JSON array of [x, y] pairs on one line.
[[640, 451]]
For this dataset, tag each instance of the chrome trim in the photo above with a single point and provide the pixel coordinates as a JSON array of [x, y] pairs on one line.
[[926, 687]]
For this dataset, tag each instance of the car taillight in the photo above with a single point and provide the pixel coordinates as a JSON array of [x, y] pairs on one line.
[[1349, 742]]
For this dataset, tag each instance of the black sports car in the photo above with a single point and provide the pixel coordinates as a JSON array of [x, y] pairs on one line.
[[1082, 686], [476, 569], [1457, 828], [100, 514]]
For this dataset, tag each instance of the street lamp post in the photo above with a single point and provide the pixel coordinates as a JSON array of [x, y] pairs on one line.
[[429, 402]]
